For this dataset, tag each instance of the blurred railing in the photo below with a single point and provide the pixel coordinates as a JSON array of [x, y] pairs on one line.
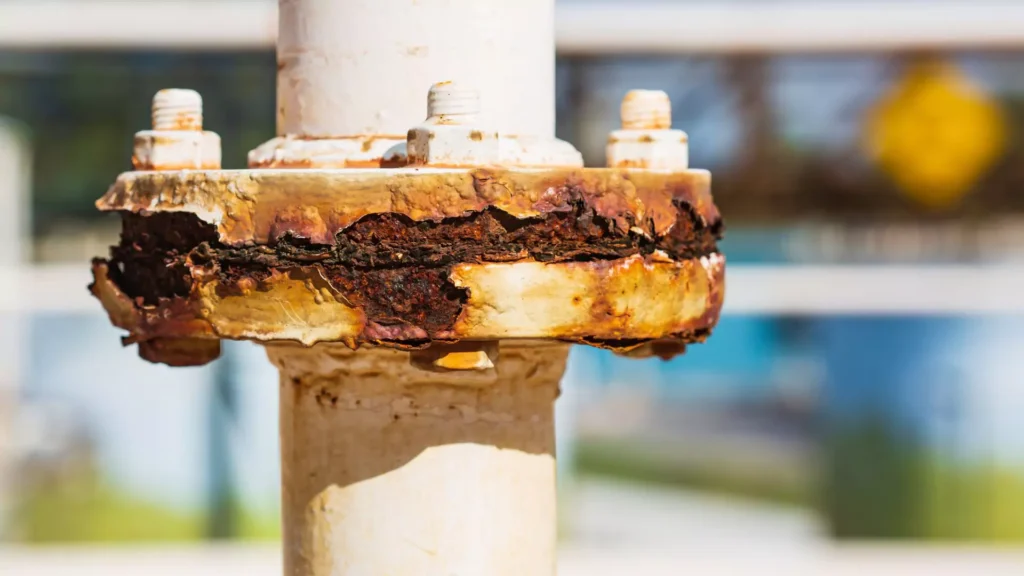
[[581, 27]]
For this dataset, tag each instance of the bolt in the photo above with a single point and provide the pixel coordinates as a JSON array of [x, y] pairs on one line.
[[452, 103], [646, 110], [177, 140], [178, 109]]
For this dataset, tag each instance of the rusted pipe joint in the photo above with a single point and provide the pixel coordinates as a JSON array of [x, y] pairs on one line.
[[414, 258]]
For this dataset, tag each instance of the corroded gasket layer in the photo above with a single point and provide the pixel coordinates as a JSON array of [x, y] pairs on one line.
[[407, 257]]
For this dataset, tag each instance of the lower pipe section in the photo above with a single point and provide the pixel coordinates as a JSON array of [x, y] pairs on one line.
[[391, 469]]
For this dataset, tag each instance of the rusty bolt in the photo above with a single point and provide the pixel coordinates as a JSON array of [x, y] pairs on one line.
[[646, 139], [177, 140], [646, 110], [450, 135], [178, 109], [453, 103]]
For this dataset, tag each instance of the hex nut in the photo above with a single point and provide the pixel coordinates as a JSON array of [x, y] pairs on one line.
[[176, 150], [177, 109], [645, 140], [450, 136]]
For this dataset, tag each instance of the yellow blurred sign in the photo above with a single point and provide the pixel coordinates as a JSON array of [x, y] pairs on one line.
[[935, 134]]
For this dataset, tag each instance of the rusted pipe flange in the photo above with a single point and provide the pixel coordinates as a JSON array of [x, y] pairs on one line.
[[411, 256]]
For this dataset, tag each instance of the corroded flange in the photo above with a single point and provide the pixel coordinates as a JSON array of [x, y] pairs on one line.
[[409, 257]]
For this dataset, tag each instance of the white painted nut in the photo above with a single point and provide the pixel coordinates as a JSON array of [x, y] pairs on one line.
[[646, 139], [177, 140], [450, 135]]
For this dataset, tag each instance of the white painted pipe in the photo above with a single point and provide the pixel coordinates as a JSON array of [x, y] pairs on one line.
[[354, 67], [388, 469]]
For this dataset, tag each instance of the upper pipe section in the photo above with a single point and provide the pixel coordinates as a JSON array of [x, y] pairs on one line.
[[352, 67]]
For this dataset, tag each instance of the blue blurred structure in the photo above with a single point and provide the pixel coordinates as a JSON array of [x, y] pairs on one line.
[[923, 432]]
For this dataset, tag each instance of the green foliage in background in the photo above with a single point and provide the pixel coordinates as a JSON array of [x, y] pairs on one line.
[[882, 485], [634, 461], [79, 506], [872, 483], [82, 507]]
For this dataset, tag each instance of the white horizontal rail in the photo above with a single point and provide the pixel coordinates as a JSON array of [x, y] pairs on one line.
[[173, 24], [896, 290], [766, 290], [582, 27], [788, 26]]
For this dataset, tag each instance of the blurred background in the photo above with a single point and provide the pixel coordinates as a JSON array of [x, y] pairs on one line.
[[865, 384]]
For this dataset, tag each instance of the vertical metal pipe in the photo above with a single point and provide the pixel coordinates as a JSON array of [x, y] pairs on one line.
[[354, 67], [387, 469]]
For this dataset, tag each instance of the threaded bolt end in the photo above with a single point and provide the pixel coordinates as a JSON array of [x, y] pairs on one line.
[[646, 110], [455, 103], [177, 109]]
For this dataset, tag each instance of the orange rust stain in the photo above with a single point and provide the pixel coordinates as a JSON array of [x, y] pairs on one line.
[[349, 151], [140, 165], [180, 351], [298, 304], [631, 163], [186, 123], [286, 164], [302, 221], [478, 356]]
